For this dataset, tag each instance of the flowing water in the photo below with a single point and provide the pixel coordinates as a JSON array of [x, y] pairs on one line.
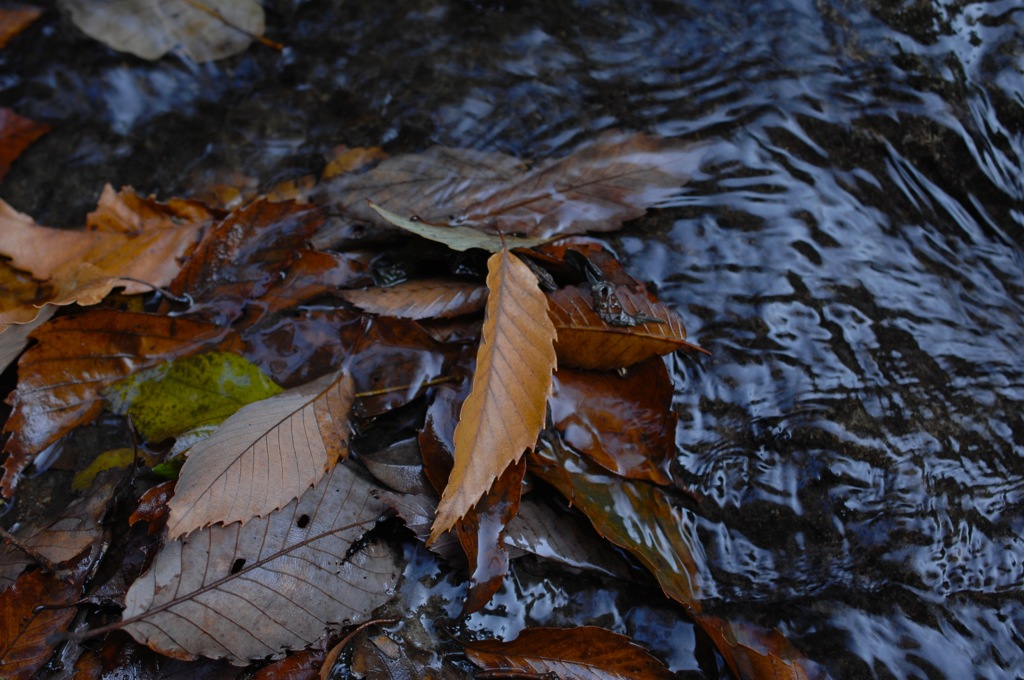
[[851, 255]]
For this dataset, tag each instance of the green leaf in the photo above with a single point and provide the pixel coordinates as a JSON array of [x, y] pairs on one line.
[[188, 393], [457, 237]]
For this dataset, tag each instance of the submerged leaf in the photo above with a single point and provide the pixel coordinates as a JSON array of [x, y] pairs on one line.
[[506, 407], [583, 653], [188, 393], [246, 592], [457, 237], [421, 299], [203, 29], [265, 455], [16, 133], [14, 20]]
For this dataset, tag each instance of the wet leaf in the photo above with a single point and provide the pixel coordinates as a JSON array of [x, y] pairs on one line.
[[457, 237], [58, 540], [506, 407], [625, 423], [245, 592], [25, 631], [398, 466], [752, 652], [204, 30], [596, 188], [152, 507], [188, 393], [108, 460], [265, 455], [15, 339], [585, 340], [60, 379], [586, 653], [14, 20], [16, 132], [633, 515], [421, 299], [344, 160]]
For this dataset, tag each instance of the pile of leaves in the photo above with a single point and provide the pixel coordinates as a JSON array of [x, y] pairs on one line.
[[446, 307]]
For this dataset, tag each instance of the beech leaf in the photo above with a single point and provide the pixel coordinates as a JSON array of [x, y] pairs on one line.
[[420, 299], [507, 404], [457, 237], [245, 592], [203, 29], [265, 455], [582, 653]]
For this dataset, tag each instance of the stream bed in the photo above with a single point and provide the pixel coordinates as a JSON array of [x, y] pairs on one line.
[[850, 255]]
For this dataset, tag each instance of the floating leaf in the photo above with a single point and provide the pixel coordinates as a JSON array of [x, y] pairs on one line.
[[14, 20], [625, 423], [420, 299], [752, 652], [583, 653], [245, 592], [204, 30], [16, 133], [263, 456], [75, 357], [506, 407], [188, 393], [585, 340]]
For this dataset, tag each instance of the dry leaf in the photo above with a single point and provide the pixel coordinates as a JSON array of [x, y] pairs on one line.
[[421, 299], [14, 20], [585, 340], [246, 592], [60, 378], [506, 407], [264, 456], [203, 29], [16, 133], [583, 653]]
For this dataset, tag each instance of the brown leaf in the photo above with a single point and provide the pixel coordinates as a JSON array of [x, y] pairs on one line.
[[264, 456], [204, 30], [14, 20], [752, 652], [343, 160], [60, 377], [245, 592], [15, 338], [625, 423], [16, 132], [506, 407], [584, 653], [421, 299], [597, 187], [585, 340], [26, 629]]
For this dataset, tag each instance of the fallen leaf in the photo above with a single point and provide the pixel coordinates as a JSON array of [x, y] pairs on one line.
[[601, 184], [246, 592], [187, 393], [26, 629], [75, 357], [344, 160], [634, 515], [15, 339], [420, 299], [152, 507], [457, 237], [507, 405], [585, 340], [16, 132], [584, 653], [398, 467], [14, 20], [265, 455], [752, 652], [623, 422], [109, 460], [204, 30]]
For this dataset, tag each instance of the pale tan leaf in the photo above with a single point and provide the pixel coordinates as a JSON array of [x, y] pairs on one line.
[[457, 237], [203, 29], [506, 407], [265, 455], [420, 299], [244, 592], [14, 338], [585, 340]]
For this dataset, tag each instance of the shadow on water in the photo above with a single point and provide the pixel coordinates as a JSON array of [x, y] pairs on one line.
[[851, 256]]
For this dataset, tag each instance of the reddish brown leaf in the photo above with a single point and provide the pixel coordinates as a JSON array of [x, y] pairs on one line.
[[586, 653], [753, 652], [343, 160], [421, 299], [506, 407], [152, 507], [585, 340], [625, 423], [14, 20], [60, 378], [16, 132], [25, 631], [482, 534]]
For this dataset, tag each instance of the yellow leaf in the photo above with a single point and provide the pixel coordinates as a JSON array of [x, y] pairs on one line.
[[506, 407]]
